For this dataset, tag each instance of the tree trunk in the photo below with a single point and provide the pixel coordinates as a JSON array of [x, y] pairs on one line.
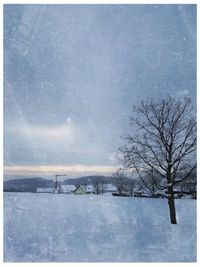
[[119, 189], [172, 209], [131, 192]]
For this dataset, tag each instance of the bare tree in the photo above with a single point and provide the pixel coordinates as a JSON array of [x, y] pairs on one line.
[[130, 184], [164, 142], [99, 186], [120, 181]]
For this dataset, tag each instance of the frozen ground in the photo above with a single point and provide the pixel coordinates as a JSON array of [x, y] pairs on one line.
[[68, 228]]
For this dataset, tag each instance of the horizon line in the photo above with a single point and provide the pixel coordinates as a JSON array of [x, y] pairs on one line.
[[73, 169]]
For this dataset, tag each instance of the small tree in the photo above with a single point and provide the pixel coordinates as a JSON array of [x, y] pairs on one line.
[[164, 141]]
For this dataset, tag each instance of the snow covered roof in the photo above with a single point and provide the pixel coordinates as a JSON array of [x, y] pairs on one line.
[[89, 188], [67, 188], [45, 190]]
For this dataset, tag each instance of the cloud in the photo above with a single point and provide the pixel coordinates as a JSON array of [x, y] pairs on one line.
[[66, 143]]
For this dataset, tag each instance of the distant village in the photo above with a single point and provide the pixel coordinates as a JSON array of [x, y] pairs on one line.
[[110, 189], [99, 185], [78, 190], [122, 186]]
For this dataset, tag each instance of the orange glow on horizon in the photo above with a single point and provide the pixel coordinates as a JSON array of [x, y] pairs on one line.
[[69, 169]]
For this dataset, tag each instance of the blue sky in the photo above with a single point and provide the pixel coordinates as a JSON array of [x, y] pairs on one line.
[[73, 72]]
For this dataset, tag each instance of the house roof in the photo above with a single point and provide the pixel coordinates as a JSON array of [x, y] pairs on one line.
[[67, 188], [45, 190]]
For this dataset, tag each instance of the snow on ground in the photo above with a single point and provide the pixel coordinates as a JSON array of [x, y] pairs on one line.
[[68, 228]]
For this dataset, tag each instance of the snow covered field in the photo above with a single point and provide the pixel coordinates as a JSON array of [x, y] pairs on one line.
[[68, 228]]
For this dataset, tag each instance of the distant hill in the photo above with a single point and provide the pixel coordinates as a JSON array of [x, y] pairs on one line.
[[31, 184], [89, 180], [26, 184]]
